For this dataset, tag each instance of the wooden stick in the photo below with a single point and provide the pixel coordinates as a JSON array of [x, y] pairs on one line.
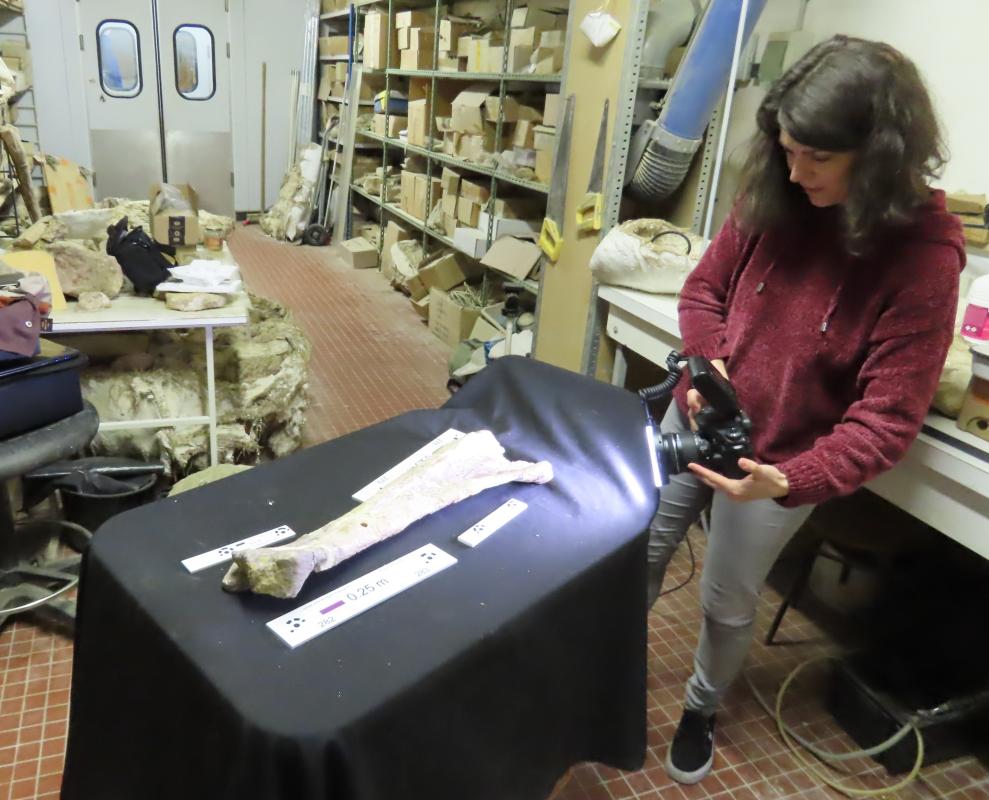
[[12, 144], [264, 113]]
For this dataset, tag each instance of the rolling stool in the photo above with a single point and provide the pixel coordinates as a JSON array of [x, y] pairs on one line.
[[31, 573]]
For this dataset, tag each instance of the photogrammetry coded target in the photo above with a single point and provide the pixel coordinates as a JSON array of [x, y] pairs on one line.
[[334, 608]]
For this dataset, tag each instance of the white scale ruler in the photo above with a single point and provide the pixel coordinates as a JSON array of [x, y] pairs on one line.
[[498, 518], [336, 607], [404, 466], [225, 553]]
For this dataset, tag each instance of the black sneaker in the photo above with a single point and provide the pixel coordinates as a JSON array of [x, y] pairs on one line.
[[692, 752]]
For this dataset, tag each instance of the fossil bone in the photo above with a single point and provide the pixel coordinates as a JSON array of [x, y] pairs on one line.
[[454, 472]]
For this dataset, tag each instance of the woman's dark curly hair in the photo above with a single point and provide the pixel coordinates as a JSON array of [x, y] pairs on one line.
[[845, 95]]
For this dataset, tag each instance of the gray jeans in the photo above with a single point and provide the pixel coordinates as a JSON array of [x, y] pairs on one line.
[[744, 540]]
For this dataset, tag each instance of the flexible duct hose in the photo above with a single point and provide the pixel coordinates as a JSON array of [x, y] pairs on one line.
[[699, 84]]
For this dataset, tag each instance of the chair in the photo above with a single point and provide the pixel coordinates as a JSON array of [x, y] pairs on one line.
[[32, 573]]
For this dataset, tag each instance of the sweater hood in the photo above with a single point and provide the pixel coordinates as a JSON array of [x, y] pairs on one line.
[[936, 225]]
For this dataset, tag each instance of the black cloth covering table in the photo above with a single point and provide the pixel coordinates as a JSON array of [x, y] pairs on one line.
[[484, 682]]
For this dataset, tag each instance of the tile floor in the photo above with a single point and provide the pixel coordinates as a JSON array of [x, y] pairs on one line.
[[373, 358]]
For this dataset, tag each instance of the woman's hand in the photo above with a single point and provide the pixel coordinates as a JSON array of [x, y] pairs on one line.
[[763, 481], [696, 401]]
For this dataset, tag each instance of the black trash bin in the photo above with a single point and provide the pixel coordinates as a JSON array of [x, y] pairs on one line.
[[91, 509]]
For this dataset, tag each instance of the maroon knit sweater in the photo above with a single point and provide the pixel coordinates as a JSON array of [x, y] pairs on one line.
[[834, 358]]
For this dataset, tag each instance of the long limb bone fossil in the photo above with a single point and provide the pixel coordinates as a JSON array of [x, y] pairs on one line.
[[456, 471]]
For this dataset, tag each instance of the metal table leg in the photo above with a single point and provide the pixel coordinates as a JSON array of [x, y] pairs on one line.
[[211, 395]]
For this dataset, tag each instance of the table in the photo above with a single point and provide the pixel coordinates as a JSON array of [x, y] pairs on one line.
[[485, 681], [943, 479], [130, 313]]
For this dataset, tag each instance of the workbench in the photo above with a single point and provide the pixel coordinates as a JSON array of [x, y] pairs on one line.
[[131, 313], [943, 480]]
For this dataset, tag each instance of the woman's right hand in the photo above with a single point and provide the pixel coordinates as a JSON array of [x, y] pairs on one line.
[[696, 401]]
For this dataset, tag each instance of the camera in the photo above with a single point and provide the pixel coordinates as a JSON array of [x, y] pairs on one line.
[[723, 428]]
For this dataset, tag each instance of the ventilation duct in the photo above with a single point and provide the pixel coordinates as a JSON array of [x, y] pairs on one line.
[[661, 152]]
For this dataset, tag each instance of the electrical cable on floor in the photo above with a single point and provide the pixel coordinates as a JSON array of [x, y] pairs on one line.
[[792, 739]]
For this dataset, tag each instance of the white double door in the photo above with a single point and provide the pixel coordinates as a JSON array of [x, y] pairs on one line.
[[157, 77]]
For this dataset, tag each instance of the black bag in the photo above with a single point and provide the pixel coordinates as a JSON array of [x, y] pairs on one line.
[[140, 257]]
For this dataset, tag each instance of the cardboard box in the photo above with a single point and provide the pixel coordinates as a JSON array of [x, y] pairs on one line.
[[524, 135], [340, 70], [546, 60], [395, 125], [963, 203], [523, 36], [463, 46], [418, 127], [519, 56], [416, 59], [448, 64], [511, 256], [449, 321], [450, 181], [379, 52], [449, 221], [327, 6], [551, 110], [422, 39], [471, 241], [403, 38], [541, 18], [468, 108], [467, 212], [448, 205], [334, 45], [511, 110], [543, 137], [415, 287], [500, 226], [451, 30], [527, 207], [524, 156], [422, 202], [327, 77], [415, 18], [394, 233], [407, 182], [451, 142], [422, 307], [359, 253], [170, 224], [484, 331], [475, 191], [673, 61], [544, 165], [557, 38], [449, 270]]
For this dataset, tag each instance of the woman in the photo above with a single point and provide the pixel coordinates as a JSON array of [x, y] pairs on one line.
[[828, 299]]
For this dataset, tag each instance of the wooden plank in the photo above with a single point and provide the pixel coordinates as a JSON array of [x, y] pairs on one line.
[[12, 143], [67, 185]]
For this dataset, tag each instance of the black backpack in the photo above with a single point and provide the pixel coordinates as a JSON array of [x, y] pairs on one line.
[[140, 257]]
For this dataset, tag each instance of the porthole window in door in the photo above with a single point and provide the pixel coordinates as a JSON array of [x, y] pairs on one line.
[[118, 52], [195, 73]]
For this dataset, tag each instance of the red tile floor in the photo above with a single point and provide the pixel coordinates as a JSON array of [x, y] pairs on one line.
[[373, 358]]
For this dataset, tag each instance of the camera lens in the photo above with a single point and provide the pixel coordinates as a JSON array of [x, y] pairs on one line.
[[676, 450]]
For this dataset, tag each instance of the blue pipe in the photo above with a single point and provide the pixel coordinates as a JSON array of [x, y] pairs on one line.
[[702, 78], [663, 149]]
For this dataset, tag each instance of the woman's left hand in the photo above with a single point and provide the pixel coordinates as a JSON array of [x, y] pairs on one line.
[[763, 481]]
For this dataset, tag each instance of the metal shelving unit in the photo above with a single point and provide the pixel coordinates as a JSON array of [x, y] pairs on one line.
[[393, 150]]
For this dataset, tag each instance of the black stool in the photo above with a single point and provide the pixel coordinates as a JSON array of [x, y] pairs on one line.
[[29, 579]]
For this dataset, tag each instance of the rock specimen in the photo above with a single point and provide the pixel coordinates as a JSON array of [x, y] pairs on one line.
[[93, 301], [81, 269], [195, 301], [456, 471]]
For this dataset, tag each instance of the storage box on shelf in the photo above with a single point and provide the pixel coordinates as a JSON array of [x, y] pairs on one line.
[[466, 155]]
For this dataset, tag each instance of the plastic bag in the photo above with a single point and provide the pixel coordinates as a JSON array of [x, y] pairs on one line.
[[647, 254]]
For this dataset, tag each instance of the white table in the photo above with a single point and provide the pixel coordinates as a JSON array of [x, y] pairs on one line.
[[128, 313], [943, 480]]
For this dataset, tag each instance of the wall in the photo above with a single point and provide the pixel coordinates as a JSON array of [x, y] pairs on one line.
[[945, 39], [260, 31], [58, 92]]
